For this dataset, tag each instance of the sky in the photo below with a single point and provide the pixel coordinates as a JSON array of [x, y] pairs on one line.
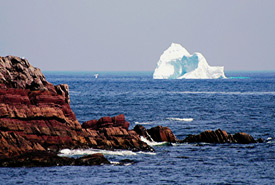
[[126, 35]]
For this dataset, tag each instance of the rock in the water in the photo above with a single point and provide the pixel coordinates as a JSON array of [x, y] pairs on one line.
[[158, 134], [43, 159], [36, 159], [35, 115], [219, 136], [243, 138], [89, 160], [161, 134], [142, 131]]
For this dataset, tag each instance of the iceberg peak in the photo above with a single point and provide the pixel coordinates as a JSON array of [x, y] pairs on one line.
[[177, 63]]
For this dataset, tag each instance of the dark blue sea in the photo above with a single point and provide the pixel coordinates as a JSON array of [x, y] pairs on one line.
[[245, 102]]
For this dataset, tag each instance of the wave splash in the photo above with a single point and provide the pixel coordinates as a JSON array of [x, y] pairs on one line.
[[81, 152], [152, 143], [181, 119]]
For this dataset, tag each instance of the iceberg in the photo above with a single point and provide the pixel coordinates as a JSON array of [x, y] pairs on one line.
[[177, 63]]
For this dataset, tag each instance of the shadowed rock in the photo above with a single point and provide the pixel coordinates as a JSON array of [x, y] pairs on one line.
[[89, 160], [158, 134], [220, 136], [43, 159], [142, 131]]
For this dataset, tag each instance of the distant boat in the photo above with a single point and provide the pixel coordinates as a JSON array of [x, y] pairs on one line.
[[96, 75]]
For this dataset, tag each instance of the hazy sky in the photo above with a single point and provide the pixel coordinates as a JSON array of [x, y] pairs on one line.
[[131, 35]]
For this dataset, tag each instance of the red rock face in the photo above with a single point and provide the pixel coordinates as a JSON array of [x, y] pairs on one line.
[[36, 115], [160, 134]]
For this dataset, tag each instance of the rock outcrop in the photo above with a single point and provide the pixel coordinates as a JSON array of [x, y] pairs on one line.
[[158, 134], [43, 159], [36, 119], [161, 134], [35, 115], [220, 136]]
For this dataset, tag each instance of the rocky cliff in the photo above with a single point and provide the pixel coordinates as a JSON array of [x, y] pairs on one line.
[[35, 115]]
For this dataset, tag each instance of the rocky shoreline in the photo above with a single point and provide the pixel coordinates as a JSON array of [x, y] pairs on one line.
[[36, 122]]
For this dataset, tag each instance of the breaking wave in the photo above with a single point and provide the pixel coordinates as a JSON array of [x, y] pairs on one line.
[[152, 143], [80, 152], [181, 119], [143, 123]]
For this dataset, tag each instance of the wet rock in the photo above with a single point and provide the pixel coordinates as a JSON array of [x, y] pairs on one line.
[[89, 160], [44, 159], [142, 131], [126, 162], [160, 134], [219, 136], [36, 159], [243, 138]]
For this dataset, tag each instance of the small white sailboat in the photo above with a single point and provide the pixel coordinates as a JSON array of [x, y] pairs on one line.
[[96, 75]]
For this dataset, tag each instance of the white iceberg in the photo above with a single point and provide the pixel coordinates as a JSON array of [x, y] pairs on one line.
[[177, 63]]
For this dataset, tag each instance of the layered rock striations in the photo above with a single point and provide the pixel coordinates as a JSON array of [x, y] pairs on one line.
[[35, 115], [36, 121]]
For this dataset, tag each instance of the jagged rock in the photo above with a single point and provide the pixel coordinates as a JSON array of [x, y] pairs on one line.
[[105, 122], [219, 136], [35, 115], [142, 131], [160, 134], [63, 90]]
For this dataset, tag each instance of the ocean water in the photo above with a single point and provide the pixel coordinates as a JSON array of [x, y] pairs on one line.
[[245, 102]]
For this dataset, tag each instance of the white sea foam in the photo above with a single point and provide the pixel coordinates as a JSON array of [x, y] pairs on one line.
[[115, 162], [68, 152], [152, 143], [225, 93], [75, 152], [143, 123], [181, 119]]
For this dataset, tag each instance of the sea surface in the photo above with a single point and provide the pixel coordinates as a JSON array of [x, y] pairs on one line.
[[245, 102]]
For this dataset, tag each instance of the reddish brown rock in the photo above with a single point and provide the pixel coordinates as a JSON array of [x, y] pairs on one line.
[[160, 134], [36, 115], [244, 138], [119, 121], [142, 131], [92, 124], [219, 136]]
